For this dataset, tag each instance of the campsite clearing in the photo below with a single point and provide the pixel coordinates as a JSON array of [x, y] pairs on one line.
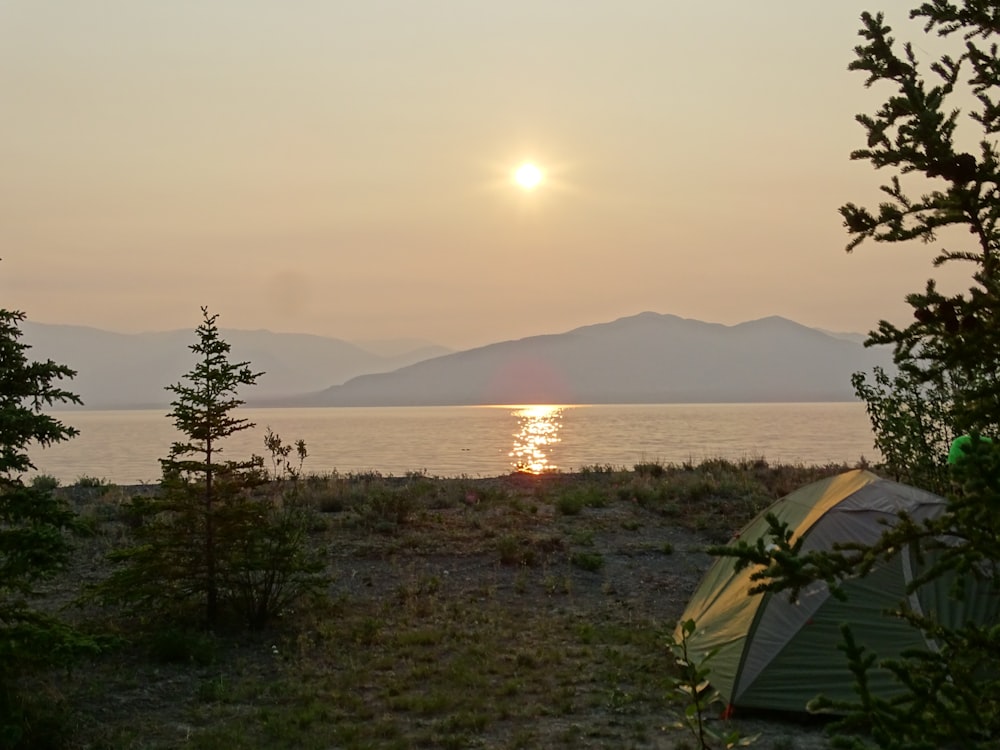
[[510, 612]]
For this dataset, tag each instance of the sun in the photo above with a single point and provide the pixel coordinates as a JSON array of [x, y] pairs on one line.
[[528, 176]]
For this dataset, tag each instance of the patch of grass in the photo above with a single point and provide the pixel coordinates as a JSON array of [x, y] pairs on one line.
[[89, 483], [583, 538], [598, 469], [384, 509], [589, 561], [653, 469], [521, 582], [521, 549], [214, 689], [172, 645], [219, 737], [573, 500], [35, 719], [557, 585], [570, 504], [516, 550]]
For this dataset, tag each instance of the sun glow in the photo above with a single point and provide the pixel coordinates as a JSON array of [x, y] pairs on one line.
[[528, 176], [530, 179]]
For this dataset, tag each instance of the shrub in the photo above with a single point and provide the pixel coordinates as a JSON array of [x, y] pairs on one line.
[[589, 561], [517, 550], [384, 508], [650, 469], [571, 502], [44, 482], [91, 483]]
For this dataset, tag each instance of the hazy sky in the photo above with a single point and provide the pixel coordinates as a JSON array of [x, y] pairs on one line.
[[344, 168]]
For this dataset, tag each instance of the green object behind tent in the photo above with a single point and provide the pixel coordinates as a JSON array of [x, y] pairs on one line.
[[960, 447], [774, 654]]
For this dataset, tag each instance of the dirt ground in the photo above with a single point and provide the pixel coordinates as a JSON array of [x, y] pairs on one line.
[[637, 582], [446, 556]]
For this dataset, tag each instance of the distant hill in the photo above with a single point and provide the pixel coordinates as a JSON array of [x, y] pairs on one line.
[[402, 347], [647, 358], [858, 338], [130, 371]]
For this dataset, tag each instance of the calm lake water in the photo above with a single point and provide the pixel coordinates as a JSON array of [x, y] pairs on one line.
[[123, 447]]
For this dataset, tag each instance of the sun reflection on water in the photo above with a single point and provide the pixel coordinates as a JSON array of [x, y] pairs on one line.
[[538, 429]]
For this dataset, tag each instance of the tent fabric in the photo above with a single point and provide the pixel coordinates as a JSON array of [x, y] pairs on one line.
[[775, 654]]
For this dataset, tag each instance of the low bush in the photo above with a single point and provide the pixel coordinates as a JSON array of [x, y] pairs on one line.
[[650, 469], [589, 561], [573, 500], [44, 482]]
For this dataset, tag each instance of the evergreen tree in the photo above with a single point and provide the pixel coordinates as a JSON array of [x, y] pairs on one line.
[[34, 544], [948, 382], [952, 347], [204, 412], [214, 534]]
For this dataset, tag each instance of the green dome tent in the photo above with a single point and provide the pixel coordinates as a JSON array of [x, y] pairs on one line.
[[774, 654]]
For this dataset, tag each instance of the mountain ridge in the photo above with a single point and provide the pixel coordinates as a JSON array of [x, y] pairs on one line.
[[132, 370], [768, 359], [648, 357]]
